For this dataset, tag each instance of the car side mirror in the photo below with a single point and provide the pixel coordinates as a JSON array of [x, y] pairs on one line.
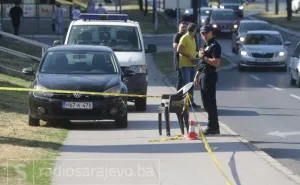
[[128, 73], [151, 48], [56, 42], [28, 71], [287, 43]]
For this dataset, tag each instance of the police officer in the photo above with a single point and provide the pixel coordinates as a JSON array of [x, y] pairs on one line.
[[207, 77]]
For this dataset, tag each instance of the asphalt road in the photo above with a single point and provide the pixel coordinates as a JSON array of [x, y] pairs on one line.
[[255, 103], [258, 102]]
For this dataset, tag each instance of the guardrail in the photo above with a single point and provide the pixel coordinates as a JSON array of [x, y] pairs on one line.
[[19, 54], [13, 72], [43, 46]]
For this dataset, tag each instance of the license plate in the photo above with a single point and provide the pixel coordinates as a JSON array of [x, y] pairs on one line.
[[262, 60], [78, 105]]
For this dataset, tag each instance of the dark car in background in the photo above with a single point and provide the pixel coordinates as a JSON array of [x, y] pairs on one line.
[[78, 68], [236, 5], [243, 27], [223, 21], [203, 16]]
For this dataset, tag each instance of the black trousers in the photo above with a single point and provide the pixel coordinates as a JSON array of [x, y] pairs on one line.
[[208, 93], [179, 83], [16, 28]]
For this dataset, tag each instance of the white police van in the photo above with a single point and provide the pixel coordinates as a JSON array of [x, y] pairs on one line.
[[124, 37]]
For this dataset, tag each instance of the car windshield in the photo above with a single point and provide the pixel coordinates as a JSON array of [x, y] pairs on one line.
[[205, 12], [254, 26], [223, 15], [79, 62], [119, 38], [263, 39]]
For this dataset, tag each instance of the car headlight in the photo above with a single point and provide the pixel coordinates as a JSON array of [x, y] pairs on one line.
[[202, 20], [42, 94], [222, 7], [242, 39], [138, 68], [281, 54], [241, 7], [244, 53], [114, 89], [235, 26], [186, 11], [214, 25]]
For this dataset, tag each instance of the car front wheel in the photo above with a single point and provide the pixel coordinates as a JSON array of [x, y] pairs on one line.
[[292, 81], [33, 122], [298, 80], [122, 121]]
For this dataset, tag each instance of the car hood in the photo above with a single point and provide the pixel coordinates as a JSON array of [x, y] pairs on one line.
[[264, 48], [230, 4], [130, 58], [95, 83], [223, 21], [204, 16], [242, 34]]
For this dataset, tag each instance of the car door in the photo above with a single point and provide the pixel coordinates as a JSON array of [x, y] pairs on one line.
[[294, 61]]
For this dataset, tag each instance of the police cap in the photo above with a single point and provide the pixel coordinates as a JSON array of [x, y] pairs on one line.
[[205, 29]]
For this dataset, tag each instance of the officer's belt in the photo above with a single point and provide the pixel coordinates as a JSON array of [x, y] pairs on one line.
[[206, 71]]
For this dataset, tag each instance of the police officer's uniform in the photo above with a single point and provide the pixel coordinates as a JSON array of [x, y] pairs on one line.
[[207, 82]]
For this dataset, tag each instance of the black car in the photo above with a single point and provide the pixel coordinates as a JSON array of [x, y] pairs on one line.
[[243, 27], [236, 5], [78, 68]]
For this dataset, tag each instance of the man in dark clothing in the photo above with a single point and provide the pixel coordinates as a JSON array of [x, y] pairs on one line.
[[206, 72], [16, 13], [176, 38]]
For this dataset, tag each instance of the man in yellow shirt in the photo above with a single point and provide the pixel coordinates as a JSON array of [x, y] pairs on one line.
[[187, 57]]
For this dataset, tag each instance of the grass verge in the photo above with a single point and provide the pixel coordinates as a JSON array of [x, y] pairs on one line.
[[164, 62], [280, 20], [145, 22], [27, 153]]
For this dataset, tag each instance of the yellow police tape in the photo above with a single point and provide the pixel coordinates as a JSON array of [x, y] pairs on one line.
[[177, 137], [82, 92], [202, 137]]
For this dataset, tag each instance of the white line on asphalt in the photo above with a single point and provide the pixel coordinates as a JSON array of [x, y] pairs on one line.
[[273, 87], [294, 96], [255, 77]]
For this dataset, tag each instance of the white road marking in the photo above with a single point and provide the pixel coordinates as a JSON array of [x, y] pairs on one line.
[[273, 87], [294, 96], [255, 77]]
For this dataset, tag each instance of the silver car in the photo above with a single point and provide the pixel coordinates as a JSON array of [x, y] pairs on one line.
[[243, 27], [263, 48], [294, 67]]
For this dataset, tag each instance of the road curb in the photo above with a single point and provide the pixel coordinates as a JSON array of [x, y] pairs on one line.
[[263, 155], [288, 31]]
